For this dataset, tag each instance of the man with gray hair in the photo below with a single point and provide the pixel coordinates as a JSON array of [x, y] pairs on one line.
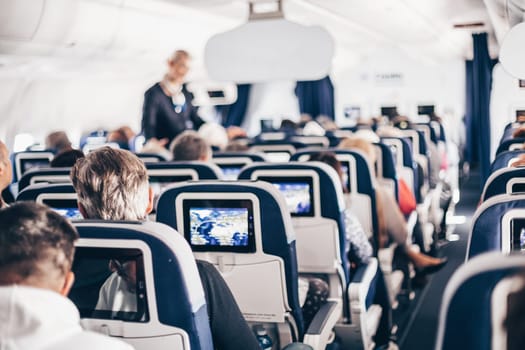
[[112, 184], [36, 254], [6, 171], [190, 146]]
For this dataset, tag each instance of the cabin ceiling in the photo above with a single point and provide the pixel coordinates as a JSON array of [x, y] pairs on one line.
[[422, 29]]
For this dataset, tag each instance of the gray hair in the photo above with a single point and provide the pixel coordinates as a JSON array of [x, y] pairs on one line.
[[190, 146], [111, 184]]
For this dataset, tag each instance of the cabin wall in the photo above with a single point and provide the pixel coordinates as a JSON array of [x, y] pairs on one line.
[[395, 78]]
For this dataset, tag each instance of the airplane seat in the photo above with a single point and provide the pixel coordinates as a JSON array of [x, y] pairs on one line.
[[46, 175], [510, 145], [275, 150], [167, 309], [505, 180], [163, 174], [151, 157], [25, 160], [361, 201], [320, 187], [258, 260], [60, 197], [95, 137], [310, 141], [497, 225], [405, 165], [504, 159], [386, 169], [476, 303], [231, 163]]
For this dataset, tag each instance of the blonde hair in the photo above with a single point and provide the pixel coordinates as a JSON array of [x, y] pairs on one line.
[[111, 184], [178, 55], [368, 149]]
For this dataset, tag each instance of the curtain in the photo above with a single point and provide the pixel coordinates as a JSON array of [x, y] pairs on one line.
[[479, 81], [234, 114], [316, 97]]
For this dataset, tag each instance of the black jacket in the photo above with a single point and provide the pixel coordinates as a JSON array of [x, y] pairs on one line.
[[159, 118]]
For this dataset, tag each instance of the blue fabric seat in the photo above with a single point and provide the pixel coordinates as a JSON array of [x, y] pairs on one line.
[[475, 303], [23, 161], [46, 175], [504, 180], [168, 283], [502, 159]]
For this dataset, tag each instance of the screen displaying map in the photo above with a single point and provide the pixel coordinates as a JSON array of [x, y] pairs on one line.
[[219, 226]]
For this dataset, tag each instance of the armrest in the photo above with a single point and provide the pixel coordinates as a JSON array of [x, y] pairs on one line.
[[411, 223], [322, 326], [361, 288]]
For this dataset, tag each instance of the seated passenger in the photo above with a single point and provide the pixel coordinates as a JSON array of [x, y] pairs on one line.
[[66, 158], [190, 146], [112, 184], [121, 136], [58, 142], [6, 173], [392, 224], [36, 253]]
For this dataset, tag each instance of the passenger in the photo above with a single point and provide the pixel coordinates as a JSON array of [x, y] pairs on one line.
[[519, 133], [36, 253], [190, 146], [66, 158], [392, 224], [58, 142], [112, 184], [6, 174], [168, 108], [122, 136], [237, 146], [360, 252]]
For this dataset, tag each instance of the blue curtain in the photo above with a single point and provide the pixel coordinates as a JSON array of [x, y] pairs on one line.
[[234, 114], [479, 81], [316, 97]]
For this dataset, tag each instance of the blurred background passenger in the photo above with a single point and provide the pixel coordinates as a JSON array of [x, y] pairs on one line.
[[58, 142], [66, 158], [122, 136], [190, 146], [6, 176]]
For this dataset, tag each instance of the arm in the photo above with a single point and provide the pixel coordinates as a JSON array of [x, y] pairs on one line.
[[228, 327], [149, 116]]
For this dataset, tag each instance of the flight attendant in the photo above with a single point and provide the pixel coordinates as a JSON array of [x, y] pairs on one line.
[[168, 110]]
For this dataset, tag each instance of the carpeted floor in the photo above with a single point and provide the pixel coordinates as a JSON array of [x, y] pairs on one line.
[[418, 323]]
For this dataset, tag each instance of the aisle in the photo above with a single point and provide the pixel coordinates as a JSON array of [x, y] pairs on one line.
[[421, 328]]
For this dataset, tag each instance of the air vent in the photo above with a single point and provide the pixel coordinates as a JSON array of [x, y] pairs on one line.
[[469, 25]]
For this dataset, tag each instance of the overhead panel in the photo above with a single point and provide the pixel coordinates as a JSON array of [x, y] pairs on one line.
[[19, 19]]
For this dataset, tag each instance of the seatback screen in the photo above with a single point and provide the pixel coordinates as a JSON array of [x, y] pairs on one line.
[[110, 284], [297, 191], [65, 207], [231, 171], [36, 163], [219, 225], [518, 234]]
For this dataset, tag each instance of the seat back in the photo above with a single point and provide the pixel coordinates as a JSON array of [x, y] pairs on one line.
[[511, 145], [275, 150], [497, 225], [405, 165], [239, 228], [150, 157], [231, 163], [164, 309], [60, 197], [386, 168], [163, 174], [309, 189], [45, 175], [476, 301], [504, 159], [505, 180], [23, 161]]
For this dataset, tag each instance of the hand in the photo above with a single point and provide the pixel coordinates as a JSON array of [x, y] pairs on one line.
[[235, 132]]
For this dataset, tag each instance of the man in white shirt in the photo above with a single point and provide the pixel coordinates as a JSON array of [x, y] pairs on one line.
[[36, 254]]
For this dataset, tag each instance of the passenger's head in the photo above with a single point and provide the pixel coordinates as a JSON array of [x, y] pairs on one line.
[[519, 132], [190, 146], [36, 247], [66, 158], [6, 170], [331, 159], [122, 136], [112, 184], [58, 141], [214, 134], [178, 66], [360, 144]]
